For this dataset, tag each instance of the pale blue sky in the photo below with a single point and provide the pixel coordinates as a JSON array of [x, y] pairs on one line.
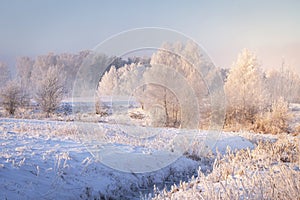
[[223, 28]]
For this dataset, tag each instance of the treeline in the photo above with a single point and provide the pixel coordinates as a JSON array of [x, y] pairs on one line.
[[259, 100], [182, 88], [68, 64], [47, 79], [177, 87]]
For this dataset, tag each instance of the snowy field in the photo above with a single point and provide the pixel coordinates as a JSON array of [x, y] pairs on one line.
[[42, 159]]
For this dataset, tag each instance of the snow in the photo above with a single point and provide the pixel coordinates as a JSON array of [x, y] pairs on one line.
[[296, 115], [51, 160], [233, 142]]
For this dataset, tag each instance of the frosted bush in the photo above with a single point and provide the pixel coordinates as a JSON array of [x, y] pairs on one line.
[[297, 130], [270, 171], [12, 97], [276, 120]]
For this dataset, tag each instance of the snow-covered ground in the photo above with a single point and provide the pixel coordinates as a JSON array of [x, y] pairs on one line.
[[55, 160], [295, 108], [121, 159]]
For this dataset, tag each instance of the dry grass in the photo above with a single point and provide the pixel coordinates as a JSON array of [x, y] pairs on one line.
[[276, 120], [270, 171], [297, 130]]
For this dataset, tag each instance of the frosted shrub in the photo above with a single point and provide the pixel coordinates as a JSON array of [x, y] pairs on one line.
[[12, 97], [270, 171], [101, 108], [297, 130], [276, 120]]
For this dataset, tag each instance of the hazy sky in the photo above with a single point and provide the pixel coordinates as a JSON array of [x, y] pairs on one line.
[[269, 28]]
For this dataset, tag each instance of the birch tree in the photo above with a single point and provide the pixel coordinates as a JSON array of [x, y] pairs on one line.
[[245, 90]]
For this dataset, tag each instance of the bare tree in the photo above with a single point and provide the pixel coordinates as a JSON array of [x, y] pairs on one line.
[[49, 92]]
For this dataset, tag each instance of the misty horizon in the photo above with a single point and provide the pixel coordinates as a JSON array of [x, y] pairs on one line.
[[223, 29]]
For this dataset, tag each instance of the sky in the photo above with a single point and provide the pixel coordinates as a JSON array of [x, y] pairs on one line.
[[271, 29]]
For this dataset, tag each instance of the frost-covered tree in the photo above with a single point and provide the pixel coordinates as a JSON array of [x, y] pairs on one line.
[[109, 83], [188, 61], [12, 93], [91, 70], [130, 78], [41, 65], [245, 90], [49, 90], [4, 74], [121, 82], [70, 64], [40, 68], [284, 83], [158, 96], [24, 70], [178, 78], [12, 97]]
